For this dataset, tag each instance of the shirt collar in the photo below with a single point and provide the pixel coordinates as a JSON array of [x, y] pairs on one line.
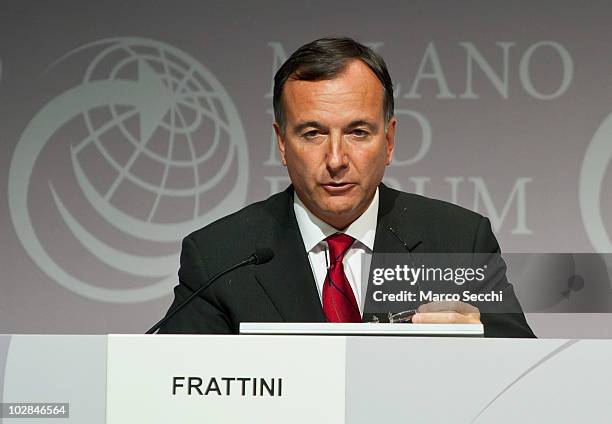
[[314, 230]]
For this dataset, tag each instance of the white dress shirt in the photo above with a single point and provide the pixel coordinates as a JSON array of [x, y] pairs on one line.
[[359, 256]]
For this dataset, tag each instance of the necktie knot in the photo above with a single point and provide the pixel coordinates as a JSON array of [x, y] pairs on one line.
[[338, 244]]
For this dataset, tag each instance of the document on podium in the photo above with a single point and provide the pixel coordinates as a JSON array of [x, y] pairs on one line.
[[362, 329]]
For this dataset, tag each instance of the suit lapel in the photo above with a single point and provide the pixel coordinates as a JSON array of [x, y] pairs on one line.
[[395, 233], [287, 279], [395, 230]]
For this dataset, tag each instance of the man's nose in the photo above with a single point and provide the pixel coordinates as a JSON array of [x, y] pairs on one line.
[[337, 155]]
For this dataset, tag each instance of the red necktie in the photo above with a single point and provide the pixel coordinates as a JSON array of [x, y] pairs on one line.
[[339, 304]]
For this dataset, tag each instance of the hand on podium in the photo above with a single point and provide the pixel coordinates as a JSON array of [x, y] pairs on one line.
[[446, 313]]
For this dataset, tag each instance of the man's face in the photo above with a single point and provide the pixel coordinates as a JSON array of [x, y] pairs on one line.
[[334, 143]]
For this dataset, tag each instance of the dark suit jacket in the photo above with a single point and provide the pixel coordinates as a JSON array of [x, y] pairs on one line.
[[284, 290]]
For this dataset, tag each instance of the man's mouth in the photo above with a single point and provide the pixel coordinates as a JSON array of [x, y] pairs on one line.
[[338, 188]]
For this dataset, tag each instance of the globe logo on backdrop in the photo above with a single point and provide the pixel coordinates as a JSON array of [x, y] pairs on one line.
[[161, 137], [597, 158]]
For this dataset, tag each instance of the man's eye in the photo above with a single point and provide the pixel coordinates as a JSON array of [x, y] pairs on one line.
[[311, 134], [360, 133]]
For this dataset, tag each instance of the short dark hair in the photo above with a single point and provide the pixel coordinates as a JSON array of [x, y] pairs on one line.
[[325, 59]]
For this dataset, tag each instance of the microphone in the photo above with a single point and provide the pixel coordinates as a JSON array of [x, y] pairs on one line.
[[260, 256]]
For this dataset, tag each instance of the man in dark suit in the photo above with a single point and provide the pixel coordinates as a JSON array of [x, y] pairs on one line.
[[333, 103]]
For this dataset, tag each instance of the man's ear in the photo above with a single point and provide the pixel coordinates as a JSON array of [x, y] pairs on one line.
[[280, 142], [390, 139]]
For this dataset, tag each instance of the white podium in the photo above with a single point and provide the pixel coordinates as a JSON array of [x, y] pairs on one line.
[[308, 379]]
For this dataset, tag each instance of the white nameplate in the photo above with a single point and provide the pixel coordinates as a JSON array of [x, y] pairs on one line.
[[224, 379]]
